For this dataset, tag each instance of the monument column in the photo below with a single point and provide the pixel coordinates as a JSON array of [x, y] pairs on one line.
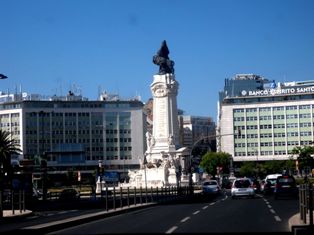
[[165, 134], [161, 163]]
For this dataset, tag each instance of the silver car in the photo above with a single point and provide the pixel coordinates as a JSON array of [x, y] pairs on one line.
[[211, 187], [242, 187]]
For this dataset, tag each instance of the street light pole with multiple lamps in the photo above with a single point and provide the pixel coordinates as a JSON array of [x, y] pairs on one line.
[[190, 160]]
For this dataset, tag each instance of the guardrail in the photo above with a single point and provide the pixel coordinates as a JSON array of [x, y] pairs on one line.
[[306, 203]]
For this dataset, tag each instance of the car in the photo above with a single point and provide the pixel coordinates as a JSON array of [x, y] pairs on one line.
[[256, 185], [286, 186], [269, 183], [242, 187], [69, 194], [211, 187]]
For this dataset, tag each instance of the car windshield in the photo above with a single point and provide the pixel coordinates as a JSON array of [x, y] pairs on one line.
[[272, 181]]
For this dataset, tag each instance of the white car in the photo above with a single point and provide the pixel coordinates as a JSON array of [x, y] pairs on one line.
[[242, 187]]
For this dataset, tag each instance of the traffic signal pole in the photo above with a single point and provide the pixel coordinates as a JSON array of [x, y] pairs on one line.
[[190, 160]]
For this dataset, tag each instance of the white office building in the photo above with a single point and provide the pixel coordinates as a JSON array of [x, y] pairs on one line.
[[72, 132], [266, 122]]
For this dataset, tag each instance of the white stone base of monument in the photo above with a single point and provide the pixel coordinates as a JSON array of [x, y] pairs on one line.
[[152, 177]]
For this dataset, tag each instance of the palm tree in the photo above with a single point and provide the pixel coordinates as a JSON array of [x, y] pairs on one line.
[[7, 148]]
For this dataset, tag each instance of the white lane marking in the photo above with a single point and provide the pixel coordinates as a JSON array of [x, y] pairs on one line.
[[62, 212], [277, 218], [172, 229], [212, 203], [196, 212], [185, 219], [205, 207], [269, 206], [272, 211]]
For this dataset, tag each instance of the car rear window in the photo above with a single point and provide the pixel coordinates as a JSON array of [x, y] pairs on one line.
[[210, 183], [285, 180], [242, 183], [272, 181]]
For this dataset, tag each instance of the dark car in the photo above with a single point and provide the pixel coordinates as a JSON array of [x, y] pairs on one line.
[[269, 186], [256, 185], [69, 194], [286, 186]]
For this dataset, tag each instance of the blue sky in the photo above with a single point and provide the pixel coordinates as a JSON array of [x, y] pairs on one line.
[[48, 46]]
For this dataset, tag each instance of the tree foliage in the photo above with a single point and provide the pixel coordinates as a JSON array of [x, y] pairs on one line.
[[7, 148], [259, 169], [211, 160], [304, 156], [248, 169]]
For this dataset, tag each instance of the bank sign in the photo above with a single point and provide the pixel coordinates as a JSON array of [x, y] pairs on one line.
[[277, 91]]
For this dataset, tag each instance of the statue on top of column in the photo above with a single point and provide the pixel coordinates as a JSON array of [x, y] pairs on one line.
[[162, 59]]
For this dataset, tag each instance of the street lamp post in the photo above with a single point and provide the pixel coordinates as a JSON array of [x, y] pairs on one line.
[[256, 152], [43, 162], [190, 161]]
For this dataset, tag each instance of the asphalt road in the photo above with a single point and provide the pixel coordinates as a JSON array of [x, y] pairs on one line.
[[204, 215]]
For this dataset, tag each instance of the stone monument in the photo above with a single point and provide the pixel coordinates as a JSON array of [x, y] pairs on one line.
[[162, 161]]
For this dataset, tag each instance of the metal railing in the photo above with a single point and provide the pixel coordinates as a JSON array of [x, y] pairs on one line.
[[12, 200], [306, 203], [111, 198]]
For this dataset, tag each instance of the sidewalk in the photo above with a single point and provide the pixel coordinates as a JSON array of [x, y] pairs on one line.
[[296, 223], [16, 213]]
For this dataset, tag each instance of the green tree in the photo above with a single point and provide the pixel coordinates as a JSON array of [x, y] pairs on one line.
[[211, 160], [248, 169], [304, 156], [7, 148]]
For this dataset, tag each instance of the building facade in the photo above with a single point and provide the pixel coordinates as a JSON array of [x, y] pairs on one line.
[[195, 128], [266, 123], [74, 132]]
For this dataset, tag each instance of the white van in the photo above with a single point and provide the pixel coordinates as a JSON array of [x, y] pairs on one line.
[[268, 184], [272, 176]]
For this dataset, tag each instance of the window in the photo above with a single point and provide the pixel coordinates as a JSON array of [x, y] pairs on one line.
[[251, 110], [265, 118], [292, 125], [278, 108], [251, 118], [265, 109], [305, 107], [292, 116]]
